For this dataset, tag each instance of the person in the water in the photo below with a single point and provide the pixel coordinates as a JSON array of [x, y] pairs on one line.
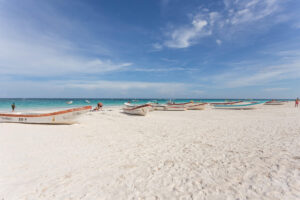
[[13, 106]]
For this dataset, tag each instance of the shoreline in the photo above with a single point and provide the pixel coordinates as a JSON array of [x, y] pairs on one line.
[[34, 108]]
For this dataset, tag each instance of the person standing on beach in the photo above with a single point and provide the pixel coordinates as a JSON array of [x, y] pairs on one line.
[[13, 106], [297, 102]]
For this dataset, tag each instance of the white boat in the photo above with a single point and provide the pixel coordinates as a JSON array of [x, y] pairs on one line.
[[196, 106], [274, 102], [181, 104], [248, 106], [129, 105], [225, 103], [69, 102], [175, 107], [137, 110], [60, 117], [157, 106], [87, 101]]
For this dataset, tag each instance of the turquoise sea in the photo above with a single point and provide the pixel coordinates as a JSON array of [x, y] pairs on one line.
[[27, 104]]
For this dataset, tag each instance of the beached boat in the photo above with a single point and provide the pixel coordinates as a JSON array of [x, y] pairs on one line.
[[274, 102], [180, 104], [225, 103], [157, 106], [137, 110], [248, 106], [61, 117], [173, 107], [197, 106], [69, 102], [129, 105]]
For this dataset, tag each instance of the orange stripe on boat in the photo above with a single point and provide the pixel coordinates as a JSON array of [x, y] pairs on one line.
[[48, 114]]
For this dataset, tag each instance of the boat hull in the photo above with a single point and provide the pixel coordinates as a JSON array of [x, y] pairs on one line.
[[159, 108], [274, 103], [200, 106], [239, 107], [61, 117], [137, 110], [175, 108], [225, 103], [156, 106]]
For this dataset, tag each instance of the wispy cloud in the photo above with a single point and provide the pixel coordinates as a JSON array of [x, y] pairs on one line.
[[185, 36], [206, 23], [275, 89], [30, 52], [219, 42], [30, 58], [104, 89], [157, 46], [251, 10], [258, 75]]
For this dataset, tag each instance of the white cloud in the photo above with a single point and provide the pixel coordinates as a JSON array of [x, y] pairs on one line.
[[157, 46], [234, 14], [219, 42], [252, 10], [185, 36]]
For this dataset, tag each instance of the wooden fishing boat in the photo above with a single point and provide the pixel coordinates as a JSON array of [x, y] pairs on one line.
[[137, 110], [157, 106], [129, 105], [173, 107], [60, 117], [225, 103], [197, 106], [248, 106], [274, 102], [180, 104]]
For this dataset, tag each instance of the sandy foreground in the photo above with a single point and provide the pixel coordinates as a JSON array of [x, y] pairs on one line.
[[209, 154]]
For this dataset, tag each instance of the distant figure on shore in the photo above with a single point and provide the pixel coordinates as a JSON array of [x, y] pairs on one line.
[[13, 106], [297, 102], [99, 106]]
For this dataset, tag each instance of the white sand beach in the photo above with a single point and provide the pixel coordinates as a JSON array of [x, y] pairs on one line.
[[209, 154]]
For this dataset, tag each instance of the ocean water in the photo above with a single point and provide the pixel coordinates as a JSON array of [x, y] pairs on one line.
[[27, 104]]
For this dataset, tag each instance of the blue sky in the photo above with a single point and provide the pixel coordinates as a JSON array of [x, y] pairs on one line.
[[150, 48]]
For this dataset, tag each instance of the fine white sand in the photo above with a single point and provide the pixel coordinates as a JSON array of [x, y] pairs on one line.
[[209, 154]]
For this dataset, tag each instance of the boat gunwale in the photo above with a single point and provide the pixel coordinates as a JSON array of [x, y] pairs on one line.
[[225, 103], [137, 107], [234, 106], [47, 114], [179, 104], [199, 104]]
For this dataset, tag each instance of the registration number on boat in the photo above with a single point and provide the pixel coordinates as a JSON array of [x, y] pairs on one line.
[[21, 119]]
